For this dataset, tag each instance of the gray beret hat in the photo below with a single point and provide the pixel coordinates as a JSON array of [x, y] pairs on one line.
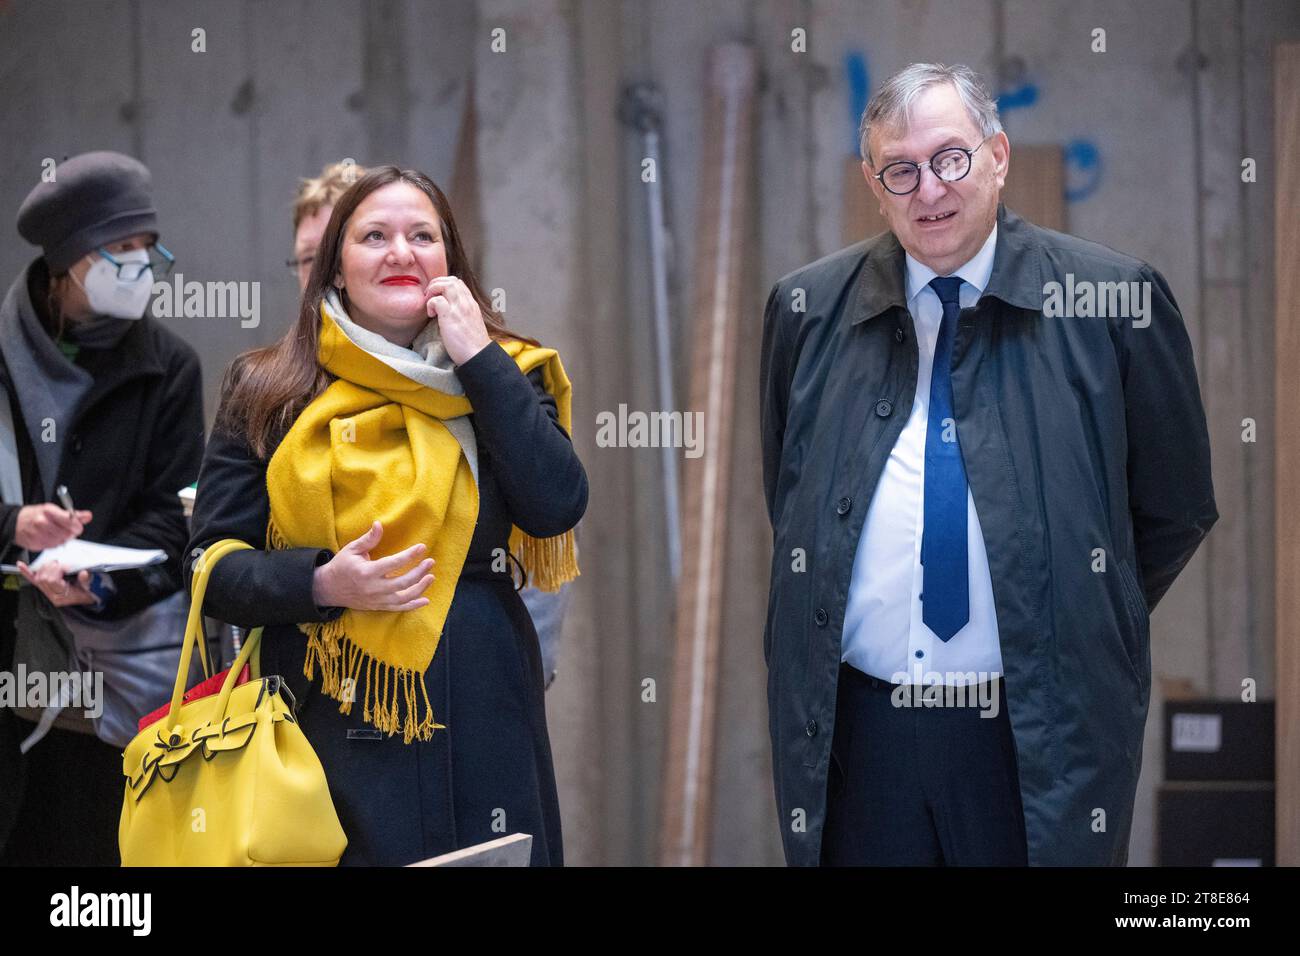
[[96, 198]]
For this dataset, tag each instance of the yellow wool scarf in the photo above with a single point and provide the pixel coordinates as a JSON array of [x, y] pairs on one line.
[[374, 446]]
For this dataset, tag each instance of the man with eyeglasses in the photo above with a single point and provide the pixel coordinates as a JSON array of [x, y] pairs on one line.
[[977, 500]]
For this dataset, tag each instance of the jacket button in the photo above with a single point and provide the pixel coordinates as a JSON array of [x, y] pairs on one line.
[[821, 617], [898, 335], [843, 505], [811, 729], [884, 407]]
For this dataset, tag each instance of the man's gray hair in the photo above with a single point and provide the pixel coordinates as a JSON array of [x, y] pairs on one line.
[[892, 105]]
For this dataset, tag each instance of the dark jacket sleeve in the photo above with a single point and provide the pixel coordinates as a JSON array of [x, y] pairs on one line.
[[8, 525], [1171, 496], [155, 517], [249, 588], [541, 479], [774, 393]]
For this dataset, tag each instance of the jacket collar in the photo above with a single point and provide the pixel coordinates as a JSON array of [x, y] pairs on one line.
[[1017, 277]]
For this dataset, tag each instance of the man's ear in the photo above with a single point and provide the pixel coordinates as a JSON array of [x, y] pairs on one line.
[[1001, 157], [876, 188]]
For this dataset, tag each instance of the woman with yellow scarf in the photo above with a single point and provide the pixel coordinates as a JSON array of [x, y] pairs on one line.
[[391, 459]]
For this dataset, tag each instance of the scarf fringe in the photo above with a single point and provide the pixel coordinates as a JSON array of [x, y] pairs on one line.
[[389, 698], [549, 562]]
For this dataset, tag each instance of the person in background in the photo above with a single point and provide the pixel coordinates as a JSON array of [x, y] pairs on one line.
[[107, 402], [311, 213]]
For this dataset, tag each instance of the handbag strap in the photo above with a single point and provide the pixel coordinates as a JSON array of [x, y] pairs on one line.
[[246, 652], [193, 628]]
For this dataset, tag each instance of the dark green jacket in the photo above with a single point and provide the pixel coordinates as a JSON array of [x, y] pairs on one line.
[[1077, 434]]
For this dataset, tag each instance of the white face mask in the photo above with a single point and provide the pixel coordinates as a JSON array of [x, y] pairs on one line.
[[110, 295]]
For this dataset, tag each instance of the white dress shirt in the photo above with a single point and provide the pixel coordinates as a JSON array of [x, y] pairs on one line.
[[883, 632]]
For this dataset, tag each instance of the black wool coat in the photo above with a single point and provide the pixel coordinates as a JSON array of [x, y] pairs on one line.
[[489, 773], [133, 442]]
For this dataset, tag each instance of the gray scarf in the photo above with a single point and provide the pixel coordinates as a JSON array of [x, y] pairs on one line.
[[426, 362], [49, 388]]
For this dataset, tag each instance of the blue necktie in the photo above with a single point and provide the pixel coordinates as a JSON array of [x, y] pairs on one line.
[[945, 605]]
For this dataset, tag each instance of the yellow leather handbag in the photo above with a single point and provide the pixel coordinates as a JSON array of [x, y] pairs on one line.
[[228, 779]]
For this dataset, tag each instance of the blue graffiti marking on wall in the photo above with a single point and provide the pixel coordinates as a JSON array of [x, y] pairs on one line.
[[855, 66], [1084, 156], [1025, 96]]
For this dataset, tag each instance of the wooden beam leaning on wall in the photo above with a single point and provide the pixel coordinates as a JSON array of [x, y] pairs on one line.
[[1286, 132], [724, 229]]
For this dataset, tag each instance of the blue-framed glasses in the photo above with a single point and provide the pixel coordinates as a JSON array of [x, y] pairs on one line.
[[160, 261]]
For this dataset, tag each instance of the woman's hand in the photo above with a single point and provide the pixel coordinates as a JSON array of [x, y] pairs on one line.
[[460, 321], [49, 578], [350, 579], [47, 526]]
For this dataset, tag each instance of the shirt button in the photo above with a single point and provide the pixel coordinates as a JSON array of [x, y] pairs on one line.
[[821, 617], [811, 729], [884, 407], [843, 506], [920, 653], [898, 335]]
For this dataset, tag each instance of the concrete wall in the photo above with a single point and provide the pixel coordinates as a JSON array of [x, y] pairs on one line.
[[1181, 96]]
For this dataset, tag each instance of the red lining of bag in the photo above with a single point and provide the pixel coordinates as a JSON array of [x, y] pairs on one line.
[[202, 689]]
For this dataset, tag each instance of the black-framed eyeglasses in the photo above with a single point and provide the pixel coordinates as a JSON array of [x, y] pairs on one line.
[[305, 262], [160, 262], [949, 164]]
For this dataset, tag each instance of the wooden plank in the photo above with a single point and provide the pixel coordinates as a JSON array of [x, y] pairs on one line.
[[513, 850], [724, 228], [1264, 23], [1286, 92], [745, 826]]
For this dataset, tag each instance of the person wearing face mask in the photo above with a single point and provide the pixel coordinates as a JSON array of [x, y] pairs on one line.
[[105, 402], [385, 459]]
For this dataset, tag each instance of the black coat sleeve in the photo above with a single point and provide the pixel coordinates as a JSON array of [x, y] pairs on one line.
[[774, 393], [1171, 496], [537, 470], [155, 518], [258, 587]]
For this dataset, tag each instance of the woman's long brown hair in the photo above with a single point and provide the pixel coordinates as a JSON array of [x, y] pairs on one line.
[[264, 390]]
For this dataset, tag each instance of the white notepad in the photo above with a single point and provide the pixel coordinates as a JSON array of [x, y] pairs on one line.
[[77, 555]]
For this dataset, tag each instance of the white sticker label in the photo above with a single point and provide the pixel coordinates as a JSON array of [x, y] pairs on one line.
[[1200, 733]]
